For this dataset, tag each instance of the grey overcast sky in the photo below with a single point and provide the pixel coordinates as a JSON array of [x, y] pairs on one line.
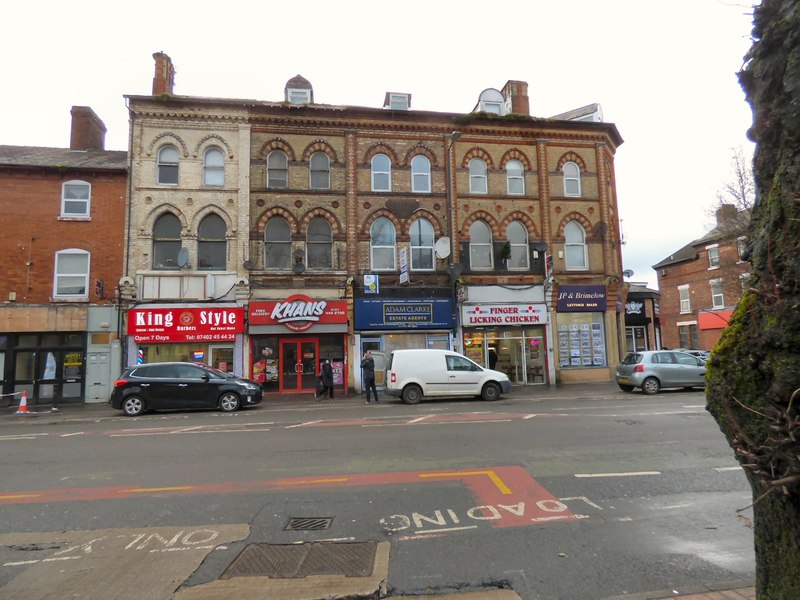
[[663, 71]]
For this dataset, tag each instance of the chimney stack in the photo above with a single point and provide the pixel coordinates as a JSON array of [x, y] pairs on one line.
[[164, 79], [88, 131], [725, 212], [517, 93]]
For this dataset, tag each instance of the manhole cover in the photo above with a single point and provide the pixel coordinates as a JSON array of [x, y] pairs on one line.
[[350, 559], [308, 523]]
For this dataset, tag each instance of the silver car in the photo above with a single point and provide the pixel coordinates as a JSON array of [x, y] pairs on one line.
[[653, 370]]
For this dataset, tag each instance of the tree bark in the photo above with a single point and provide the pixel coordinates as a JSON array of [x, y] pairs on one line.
[[754, 373]]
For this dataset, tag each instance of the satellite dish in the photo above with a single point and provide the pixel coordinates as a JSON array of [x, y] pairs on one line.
[[299, 267], [627, 273], [248, 264], [442, 247], [183, 257]]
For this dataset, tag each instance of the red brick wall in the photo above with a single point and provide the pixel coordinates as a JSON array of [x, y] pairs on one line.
[[30, 201]]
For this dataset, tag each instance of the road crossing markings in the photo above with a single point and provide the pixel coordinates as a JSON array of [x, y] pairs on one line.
[[22, 436], [630, 474]]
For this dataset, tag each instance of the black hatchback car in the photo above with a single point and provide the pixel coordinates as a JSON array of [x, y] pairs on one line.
[[180, 385]]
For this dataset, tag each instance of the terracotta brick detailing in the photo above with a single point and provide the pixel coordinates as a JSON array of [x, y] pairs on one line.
[[526, 220], [336, 224], [380, 148], [319, 146], [261, 222], [157, 142], [477, 152], [574, 216], [481, 215], [88, 131], [420, 148], [571, 157], [516, 154], [276, 144], [367, 224]]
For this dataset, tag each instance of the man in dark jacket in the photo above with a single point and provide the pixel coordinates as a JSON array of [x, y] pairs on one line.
[[326, 377], [368, 365]]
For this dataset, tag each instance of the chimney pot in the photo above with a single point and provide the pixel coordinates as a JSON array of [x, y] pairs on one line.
[[88, 131], [725, 212], [517, 93], [164, 78]]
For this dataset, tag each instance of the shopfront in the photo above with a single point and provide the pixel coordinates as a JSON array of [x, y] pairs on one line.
[[290, 339], [581, 329], [508, 337], [642, 328], [208, 334]]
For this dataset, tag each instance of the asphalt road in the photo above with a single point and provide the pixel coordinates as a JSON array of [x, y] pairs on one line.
[[583, 493]]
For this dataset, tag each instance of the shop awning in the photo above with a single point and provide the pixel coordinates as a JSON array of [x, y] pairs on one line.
[[714, 319]]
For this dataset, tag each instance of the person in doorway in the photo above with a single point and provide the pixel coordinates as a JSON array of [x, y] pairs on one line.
[[326, 377], [492, 358], [368, 366]]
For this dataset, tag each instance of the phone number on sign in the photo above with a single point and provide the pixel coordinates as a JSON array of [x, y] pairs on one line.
[[210, 337]]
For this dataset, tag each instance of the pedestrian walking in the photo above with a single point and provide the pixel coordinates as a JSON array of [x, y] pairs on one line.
[[326, 379], [368, 366]]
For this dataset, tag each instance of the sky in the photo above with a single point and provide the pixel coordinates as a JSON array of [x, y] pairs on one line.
[[664, 72]]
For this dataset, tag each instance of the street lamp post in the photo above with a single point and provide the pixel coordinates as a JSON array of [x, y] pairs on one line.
[[453, 268]]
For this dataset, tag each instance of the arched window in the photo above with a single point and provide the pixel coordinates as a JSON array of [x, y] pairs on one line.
[[477, 177], [381, 173], [575, 246], [319, 169], [420, 174], [572, 179], [212, 246], [517, 237], [277, 169], [213, 167], [166, 242], [71, 274], [515, 177], [278, 244], [319, 244], [481, 256], [168, 165], [382, 245], [76, 199], [421, 235]]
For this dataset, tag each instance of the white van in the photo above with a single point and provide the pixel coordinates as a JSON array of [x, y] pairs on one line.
[[412, 374]]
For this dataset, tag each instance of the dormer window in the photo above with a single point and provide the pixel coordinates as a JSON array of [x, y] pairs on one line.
[[395, 101], [492, 107], [491, 101], [299, 97]]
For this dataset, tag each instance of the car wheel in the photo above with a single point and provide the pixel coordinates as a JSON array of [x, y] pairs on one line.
[[229, 402], [625, 388], [132, 406], [412, 394], [490, 392], [651, 385]]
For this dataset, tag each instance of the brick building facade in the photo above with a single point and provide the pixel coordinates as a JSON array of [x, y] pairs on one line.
[[701, 283], [61, 258], [338, 229]]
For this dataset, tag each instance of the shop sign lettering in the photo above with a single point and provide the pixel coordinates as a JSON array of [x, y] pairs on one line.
[[298, 312], [504, 314], [185, 324]]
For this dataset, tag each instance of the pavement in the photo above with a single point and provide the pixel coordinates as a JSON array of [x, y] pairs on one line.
[[47, 413]]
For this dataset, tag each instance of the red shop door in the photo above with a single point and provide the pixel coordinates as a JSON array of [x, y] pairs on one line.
[[299, 365]]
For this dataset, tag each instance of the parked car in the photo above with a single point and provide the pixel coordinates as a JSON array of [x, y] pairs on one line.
[[416, 373], [180, 385], [704, 354], [653, 370]]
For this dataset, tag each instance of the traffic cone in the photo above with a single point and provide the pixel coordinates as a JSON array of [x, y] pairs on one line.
[[23, 405]]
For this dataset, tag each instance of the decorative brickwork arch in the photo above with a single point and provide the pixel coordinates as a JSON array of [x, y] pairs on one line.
[[430, 217], [477, 152], [574, 216], [367, 225], [170, 135], [319, 146], [156, 212], [207, 210], [482, 215], [526, 220], [276, 144], [336, 226], [380, 148], [571, 157], [212, 136], [261, 224], [420, 149], [516, 154]]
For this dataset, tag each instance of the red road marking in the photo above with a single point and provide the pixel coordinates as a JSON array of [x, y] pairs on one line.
[[522, 499]]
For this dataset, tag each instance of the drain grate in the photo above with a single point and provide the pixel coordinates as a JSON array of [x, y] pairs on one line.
[[350, 559], [308, 523]]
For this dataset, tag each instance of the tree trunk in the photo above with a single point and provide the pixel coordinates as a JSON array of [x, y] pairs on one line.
[[754, 372]]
